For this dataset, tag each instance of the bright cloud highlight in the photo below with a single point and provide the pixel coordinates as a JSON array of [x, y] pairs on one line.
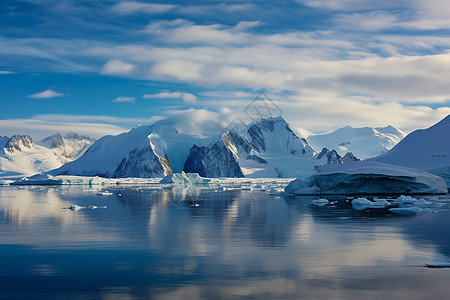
[[46, 94]]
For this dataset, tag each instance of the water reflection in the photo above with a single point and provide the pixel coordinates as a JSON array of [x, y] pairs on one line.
[[154, 242]]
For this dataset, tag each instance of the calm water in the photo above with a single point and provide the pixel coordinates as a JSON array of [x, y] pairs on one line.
[[155, 243]]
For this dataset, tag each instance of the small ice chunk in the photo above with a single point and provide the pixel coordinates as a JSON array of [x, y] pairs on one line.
[[422, 203], [361, 204], [105, 193], [320, 202], [92, 207], [75, 208], [405, 201], [406, 210], [380, 203]]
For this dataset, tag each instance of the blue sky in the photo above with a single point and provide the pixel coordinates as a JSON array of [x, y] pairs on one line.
[[103, 66]]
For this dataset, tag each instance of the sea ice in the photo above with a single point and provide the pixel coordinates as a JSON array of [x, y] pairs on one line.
[[47, 179]]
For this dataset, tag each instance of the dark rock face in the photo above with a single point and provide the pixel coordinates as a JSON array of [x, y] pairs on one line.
[[334, 158], [214, 161], [322, 153], [348, 157], [18, 143], [143, 163]]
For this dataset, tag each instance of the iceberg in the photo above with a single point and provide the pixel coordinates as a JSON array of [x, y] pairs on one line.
[[184, 179], [368, 177], [362, 204], [320, 202], [405, 210], [47, 179]]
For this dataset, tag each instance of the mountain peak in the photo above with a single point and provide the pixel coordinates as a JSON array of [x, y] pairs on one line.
[[18, 143]]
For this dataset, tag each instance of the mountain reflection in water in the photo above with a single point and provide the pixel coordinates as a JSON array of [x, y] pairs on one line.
[[170, 243]]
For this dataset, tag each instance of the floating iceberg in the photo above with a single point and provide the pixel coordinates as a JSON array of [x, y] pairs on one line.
[[47, 179], [368, 177], [406, 210], [75, 207], [362, 204], [320, 202], [105, 193], [185, 179]]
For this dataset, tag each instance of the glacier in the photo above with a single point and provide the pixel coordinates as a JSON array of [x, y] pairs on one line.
[[368, 177]]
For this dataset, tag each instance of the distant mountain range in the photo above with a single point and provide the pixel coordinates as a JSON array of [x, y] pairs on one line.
[[21, 156], [268, 147], [363, 142]]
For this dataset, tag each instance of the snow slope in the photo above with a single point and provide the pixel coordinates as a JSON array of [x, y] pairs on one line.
[[368, 177], [425, 149], [362, 142]]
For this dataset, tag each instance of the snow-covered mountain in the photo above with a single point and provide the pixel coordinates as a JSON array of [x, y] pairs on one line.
[[219, 160], [425, 149], [69, 147], [268, 147], [363, 142], [130, 154], [21, 156]]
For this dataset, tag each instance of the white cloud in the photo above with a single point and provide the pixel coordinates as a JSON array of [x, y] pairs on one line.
[[91, 119], [215, 9], [368, 21], [124, 99], [40, 129], [46, 94], [182, 31], [199, 121], [6, 72], [132, 7], [118, 67], [186, 97], [354, 5]]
